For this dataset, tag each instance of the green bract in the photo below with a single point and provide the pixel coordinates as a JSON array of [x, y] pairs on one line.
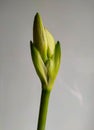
[[46, 54]]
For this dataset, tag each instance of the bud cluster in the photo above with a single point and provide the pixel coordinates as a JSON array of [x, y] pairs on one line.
[[46, 54]]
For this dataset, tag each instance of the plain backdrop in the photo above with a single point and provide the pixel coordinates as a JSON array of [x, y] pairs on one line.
[[71, 105]]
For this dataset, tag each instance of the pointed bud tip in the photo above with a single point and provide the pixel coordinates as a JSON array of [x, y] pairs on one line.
[[31, 42], [37, 16], [58, 42]]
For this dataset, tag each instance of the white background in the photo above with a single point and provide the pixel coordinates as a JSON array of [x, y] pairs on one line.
[[71, 104]]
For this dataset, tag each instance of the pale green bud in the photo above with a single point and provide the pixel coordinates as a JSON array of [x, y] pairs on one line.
[[53, 65], [38, 63], [57, 59], [39, 37], [50, 43]]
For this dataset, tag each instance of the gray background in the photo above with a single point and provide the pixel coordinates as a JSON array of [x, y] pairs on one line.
[[71, 104]]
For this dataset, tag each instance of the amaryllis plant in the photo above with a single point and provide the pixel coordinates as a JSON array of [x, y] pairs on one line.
[[46, 56]]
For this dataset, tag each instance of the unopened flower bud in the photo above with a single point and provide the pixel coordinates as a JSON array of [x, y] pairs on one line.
[[50, 43], [39, 37]]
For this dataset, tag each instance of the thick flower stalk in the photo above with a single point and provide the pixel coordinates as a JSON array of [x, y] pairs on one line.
[[46, 55]]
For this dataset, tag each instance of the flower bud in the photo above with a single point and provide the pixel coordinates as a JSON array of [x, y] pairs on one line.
[[38, 63], [53, 65], [39, 37], [50, 43]]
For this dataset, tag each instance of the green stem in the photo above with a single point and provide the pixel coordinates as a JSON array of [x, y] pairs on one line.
[[43, 109]]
